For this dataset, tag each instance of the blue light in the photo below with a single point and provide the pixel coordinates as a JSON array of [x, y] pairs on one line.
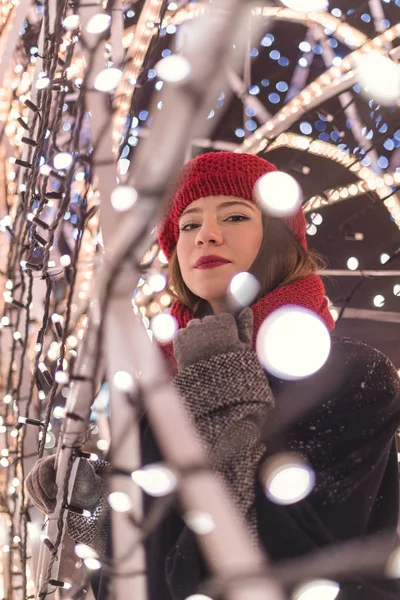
[[366, 161], [305, 128], [320, 125], [383, 128], [221, 96], [165, 52], [283, 61], [383, 162], [336, 12], [396, 135], [275, 54], [317, 49], [324, 136], [211, 114], [265, 82], [251, 125], [366, 18], [143, 115], [130, 14], [151, 74], [357, 88], [250, 111], [282, 86], [388, 144], [303, 62], [335, 136], [125, 152], [385, 23], [254, 52], [239, 133], [267, 40], [274, 98], [333, 43], [254, 90]]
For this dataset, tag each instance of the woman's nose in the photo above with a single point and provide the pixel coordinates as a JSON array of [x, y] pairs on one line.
[[209, 232]]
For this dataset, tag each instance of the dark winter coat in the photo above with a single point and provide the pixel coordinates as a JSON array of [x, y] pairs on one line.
[[347, 433]]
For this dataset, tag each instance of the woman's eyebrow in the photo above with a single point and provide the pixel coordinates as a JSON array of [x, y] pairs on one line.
[[222, 205]]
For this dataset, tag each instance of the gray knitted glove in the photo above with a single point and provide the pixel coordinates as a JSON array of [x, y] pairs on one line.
[[42, 489], [215, 334]]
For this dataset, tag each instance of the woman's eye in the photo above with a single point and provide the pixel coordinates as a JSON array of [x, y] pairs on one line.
[[238, 218], [231, 219], [189, 226]]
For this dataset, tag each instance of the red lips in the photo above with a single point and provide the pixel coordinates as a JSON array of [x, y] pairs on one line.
[[210, 261]]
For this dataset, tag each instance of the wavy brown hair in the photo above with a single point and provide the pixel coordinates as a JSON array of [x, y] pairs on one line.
[[280, 261]]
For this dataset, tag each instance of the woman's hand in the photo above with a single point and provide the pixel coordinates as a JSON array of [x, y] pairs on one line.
[[215, 334]]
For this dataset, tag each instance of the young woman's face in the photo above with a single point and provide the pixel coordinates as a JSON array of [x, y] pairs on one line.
[[224, 227]]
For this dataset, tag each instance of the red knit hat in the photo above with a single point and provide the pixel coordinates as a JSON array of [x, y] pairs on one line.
[[219, 174]]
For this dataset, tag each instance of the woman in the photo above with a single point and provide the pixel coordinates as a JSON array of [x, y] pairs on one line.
[[214, 229]]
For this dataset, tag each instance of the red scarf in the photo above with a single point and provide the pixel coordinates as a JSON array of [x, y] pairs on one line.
[[308, 292]]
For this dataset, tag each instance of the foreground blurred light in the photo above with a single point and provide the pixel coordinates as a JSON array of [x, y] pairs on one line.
[[164, 326], [157, 282], [119, 501], [71, 22], [92, 563], [199, 522], [42, 83], [156, 480], [59, 412], [244, 288], [278, 194], [65, 260], [293, 342], [287, 478], [306, 5], [173, 68], [84, 551], [352, 263], [107, 79], [392, 568], [62, 160], [98, 23], [123, 381], [379, 77], [379, 300], [199, 597], [123, 198], [319, 589]]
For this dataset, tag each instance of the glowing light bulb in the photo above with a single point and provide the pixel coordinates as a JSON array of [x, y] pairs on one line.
[[123, 198], [306, 5], [384, 258], [156, 480], [59, 412], [319, 589], [42, 83], [107, 79], [92, 563], [278, 194], [379, 300], [119, 501], [173, 68], [124, 382], [396, 289], [293, 342], [353, 263], [84, 551], [157, 282], [287, 478], [71, 22], [378, 76], [316, 218], [65, 260], [102, 445], [62, 160], [98, 23], [164, 326], [243, 289]]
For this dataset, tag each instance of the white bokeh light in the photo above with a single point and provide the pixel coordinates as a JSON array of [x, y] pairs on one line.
[[84, 551], [199, 522], [124, 382], [287, 478], [164, 326], [173, 68], [156, 479], [384, 258], [318, 589], [378, 76], [198, 597], [98, 23], [62, 160], [293, 342], [278, 194], [92, 563], [306, 5], [123, 198], [396, 289], [243, 289], [316, 218], [119, 501], [107, 79], [157, 282], [379, 300], [392, 568], [71, 22], [352, 263]]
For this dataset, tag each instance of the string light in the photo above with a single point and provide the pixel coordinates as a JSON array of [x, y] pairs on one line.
[[292, 343], [164, 326], [173, 68], [278, 193], [108, 79], [379, 77], [123, 198], [98, 23], [156, 480], [319, 589], [287, 478]]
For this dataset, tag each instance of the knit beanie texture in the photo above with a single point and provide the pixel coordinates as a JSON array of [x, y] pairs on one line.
[[219, 174]]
